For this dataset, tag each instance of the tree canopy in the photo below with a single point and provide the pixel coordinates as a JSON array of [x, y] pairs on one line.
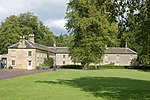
[[63, 40], [94, 23], [22, 25], [134, 21], [88, 23]]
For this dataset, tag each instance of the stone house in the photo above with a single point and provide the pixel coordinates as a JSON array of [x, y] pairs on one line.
[[26, 54], [119, 56]]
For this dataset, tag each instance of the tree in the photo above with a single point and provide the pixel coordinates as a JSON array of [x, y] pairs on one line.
[[89, 24], [22, 25], [134, 19], [63, 40]]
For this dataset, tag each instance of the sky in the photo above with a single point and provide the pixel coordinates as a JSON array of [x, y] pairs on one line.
[[50, 12]]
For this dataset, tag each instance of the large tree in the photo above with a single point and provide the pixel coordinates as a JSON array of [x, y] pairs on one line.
[[89, 24], [134, 20], [22, 25]]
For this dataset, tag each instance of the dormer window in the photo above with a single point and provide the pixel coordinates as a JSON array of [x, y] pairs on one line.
[[29, 53]]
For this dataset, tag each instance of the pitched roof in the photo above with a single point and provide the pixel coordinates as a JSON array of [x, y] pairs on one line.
[[62, 50], [59, 50], [109, 50], [118, 50], [31, 45]]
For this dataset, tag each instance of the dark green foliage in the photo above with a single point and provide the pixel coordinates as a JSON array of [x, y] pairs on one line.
[[111, 67], [49, 62], [22, 25], [133, 18], [63, 40], [72, 67]]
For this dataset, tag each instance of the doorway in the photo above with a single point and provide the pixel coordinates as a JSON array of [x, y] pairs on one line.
[[29, 65]]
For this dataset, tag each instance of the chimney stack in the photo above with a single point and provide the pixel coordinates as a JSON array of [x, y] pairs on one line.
[[106, 46], [22, 42], [54, 45], [31, 38], [126, 45]]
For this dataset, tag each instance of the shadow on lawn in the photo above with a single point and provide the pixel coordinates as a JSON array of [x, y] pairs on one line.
[[109, 87]]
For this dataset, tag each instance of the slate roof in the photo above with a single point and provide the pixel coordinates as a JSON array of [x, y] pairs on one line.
[[59, 50], [109, 50], [30, 45], [118, 50]]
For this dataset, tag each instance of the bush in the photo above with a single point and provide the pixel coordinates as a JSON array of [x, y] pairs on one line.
[[142, 67], [110, 67], [47, 62], [72, 67]]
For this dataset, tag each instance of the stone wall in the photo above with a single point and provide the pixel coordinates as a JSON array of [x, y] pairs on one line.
[[21, 58], [119, 59]]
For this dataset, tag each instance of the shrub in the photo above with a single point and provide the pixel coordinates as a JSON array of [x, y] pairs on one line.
[[47, 62], [141, 67], [111, 67], [72, 67]]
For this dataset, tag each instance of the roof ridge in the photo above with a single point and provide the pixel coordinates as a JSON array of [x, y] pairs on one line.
[[13, 45], [30, 43], [131, 50]]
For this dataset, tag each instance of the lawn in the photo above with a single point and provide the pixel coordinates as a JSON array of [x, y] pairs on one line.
[[109, 84]]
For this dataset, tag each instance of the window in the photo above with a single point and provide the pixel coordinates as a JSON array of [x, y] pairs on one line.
[[64, 56], [64, 62], [117, 62], [106, 62], [117, 57], [29, 63], [13, 63], [106, 57], [29, 53]]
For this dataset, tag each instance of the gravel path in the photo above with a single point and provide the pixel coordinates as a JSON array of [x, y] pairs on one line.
[[10, 73]]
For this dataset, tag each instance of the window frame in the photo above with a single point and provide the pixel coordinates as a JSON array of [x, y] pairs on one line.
[[64, 62], [13, 62], [64, 56], [29, 63], [29, 53]]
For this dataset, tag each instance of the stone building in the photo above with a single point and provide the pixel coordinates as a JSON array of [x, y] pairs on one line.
[[26, 54], [119, 56]]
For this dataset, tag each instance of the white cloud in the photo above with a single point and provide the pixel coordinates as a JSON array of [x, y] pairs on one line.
[[50, 12], [60, 23]]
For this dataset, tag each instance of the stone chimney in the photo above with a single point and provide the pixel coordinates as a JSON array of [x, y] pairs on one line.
[[31, 38], [126, 45], [54, 45], [22, 42], [106, 46]]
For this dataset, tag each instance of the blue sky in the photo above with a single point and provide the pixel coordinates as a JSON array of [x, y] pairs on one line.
[[50, 12]]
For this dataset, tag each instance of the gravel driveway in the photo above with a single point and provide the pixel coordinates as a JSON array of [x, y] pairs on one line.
[[10, 73]]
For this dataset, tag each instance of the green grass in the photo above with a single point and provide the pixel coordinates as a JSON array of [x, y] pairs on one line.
[[110, 84]]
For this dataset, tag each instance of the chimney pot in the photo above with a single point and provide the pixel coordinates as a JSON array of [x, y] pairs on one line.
[[31, 38]]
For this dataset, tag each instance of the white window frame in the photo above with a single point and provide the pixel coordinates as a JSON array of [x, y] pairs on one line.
[[117, 57], [106, 57], [29, 62], [12, 62]]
